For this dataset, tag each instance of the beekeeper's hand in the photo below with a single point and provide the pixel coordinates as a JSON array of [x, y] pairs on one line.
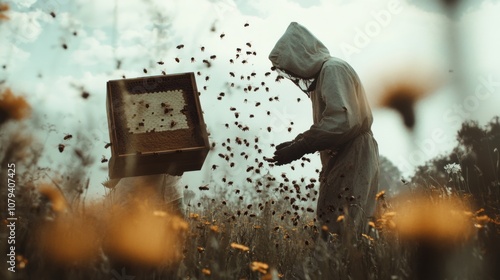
[[284, 144], [289, 153]]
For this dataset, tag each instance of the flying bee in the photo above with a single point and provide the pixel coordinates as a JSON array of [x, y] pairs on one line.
[[267, 74], [244, 61], [232, 109], [231, 74], [213, 57], [161, 62], [207, 78], [249, 45], [253, 74], [163, 73], [177, 60], [192, 59], [214, 167], [251, 116], [231, 165], [204, 188], [246, 24], [180, 46], [104, 159], [226, 125], [249, 180], [222, 35], [257, 104], [65, 46], [248, 52], [290, 129], [231, 61], [68, 136], [53, 14], [269, 129], [238, 50], [61, 148], [198, 73], [107, 145], [236, 115], [172, 124], [250, 168], [202, 49]]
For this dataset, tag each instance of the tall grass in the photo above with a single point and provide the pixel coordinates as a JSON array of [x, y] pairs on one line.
[[430, 232]]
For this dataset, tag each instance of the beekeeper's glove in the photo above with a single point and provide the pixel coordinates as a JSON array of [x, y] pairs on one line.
[[284, 144], [290, 152]]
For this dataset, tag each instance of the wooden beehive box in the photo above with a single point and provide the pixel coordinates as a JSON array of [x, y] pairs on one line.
[[155, 125]]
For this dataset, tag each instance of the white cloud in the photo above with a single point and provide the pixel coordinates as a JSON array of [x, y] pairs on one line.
[[24, 3], [23, 27], [92, 52]]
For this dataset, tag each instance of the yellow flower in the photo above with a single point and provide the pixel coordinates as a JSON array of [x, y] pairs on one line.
[[259, 266], [240, 247]]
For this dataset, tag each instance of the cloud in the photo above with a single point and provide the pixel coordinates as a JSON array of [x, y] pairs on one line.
[[23, 27], [24, 3]]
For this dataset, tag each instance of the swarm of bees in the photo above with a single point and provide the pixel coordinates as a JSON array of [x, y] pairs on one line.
[[240, 155]]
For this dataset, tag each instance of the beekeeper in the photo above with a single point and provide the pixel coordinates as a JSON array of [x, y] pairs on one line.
[[341, 131], [154, 190]]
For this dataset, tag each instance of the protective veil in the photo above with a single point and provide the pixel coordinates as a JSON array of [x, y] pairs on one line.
[[341, 130]]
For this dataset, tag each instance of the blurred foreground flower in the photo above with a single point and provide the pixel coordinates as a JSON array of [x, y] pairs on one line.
[[442, 221], [55, 197], [12, 107], [3, 8], [142, 235], [405, 87], [435, 228], [70, 239]]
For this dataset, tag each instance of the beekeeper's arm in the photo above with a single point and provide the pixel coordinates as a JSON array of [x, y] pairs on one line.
[[339, 118]]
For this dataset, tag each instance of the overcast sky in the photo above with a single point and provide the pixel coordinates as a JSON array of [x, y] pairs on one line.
[[52, 51]]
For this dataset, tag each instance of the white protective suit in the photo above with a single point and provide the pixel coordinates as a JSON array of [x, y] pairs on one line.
[[341, 130]]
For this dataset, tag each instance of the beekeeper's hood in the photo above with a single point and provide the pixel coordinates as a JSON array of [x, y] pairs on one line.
[[300, 55]]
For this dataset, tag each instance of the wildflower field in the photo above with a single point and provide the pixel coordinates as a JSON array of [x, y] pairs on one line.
[[436, 225]]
